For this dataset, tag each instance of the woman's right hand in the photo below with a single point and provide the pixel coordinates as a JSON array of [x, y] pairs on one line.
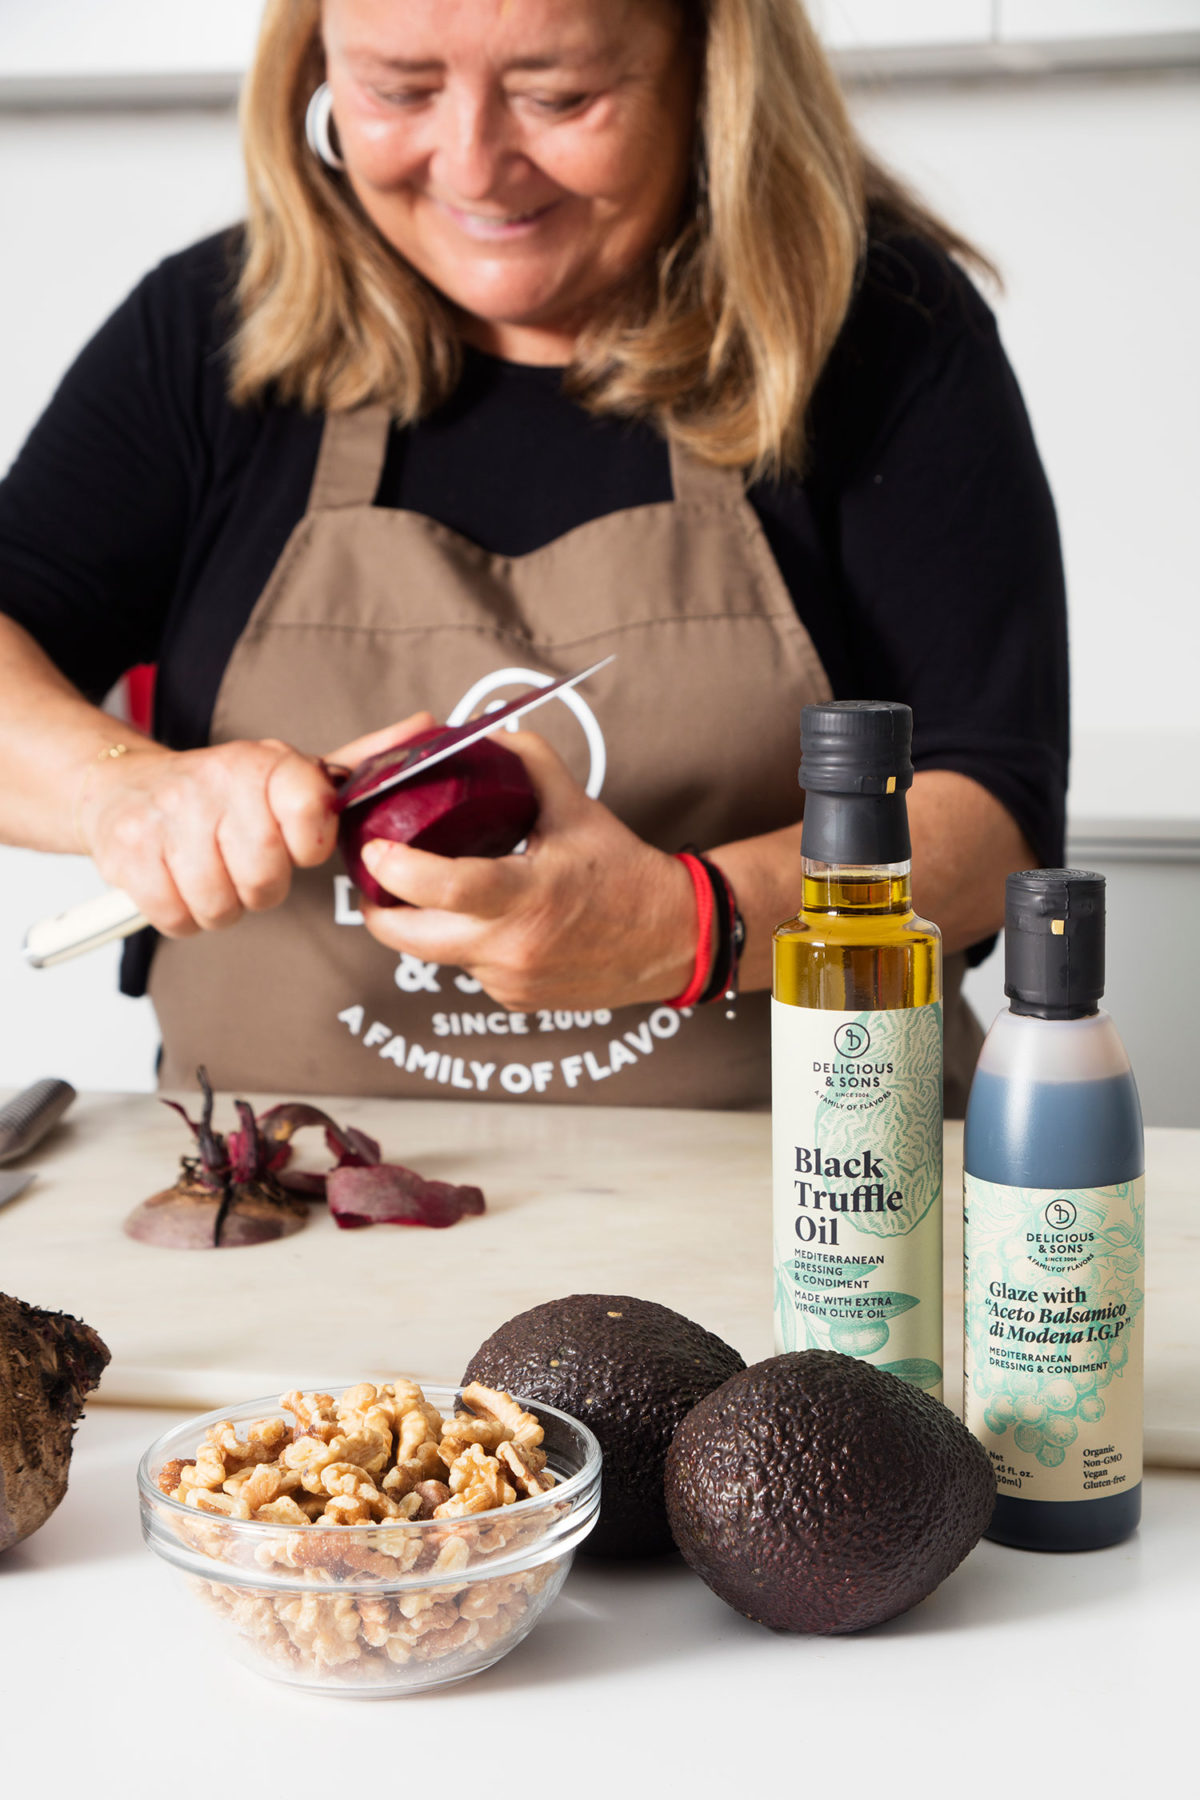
[[198, 837]]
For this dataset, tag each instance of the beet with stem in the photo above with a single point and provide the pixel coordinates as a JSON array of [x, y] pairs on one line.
[[240, 1190], [228, 1196], [49, 1363], [479, 802]]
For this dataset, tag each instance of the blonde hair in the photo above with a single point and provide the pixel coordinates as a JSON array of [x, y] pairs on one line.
[[720, 344]]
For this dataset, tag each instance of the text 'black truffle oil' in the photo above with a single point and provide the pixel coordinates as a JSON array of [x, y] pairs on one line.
[[1054, 1233], [857, 1062]]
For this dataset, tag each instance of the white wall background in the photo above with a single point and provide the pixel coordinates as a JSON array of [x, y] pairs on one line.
[[1082, 187]]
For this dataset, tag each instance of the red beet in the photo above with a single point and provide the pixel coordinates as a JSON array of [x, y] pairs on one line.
[[231, 1194], [49, 1363], [479, 802]]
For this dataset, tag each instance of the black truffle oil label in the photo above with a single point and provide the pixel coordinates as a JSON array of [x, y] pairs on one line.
[[857, 1155]]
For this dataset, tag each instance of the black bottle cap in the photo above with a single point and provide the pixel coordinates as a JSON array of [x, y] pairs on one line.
[[1054, 942], [855, 768], [856, 747]]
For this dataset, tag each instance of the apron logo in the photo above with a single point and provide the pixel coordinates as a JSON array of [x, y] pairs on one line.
[[570, 698], [576, 1069], [413, 976]]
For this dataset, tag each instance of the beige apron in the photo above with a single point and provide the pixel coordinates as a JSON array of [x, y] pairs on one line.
[[691, 736]]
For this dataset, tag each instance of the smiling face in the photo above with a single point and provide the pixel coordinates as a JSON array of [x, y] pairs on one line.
[[526, 156]]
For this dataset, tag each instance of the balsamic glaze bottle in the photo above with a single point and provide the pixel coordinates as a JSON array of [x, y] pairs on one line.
[[1054, 1233]]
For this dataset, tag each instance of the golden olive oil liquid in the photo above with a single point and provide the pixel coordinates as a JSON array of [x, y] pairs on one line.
[[856, 945], [857, 1125]]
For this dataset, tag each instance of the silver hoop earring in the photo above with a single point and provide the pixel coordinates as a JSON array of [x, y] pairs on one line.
[[316, 127]]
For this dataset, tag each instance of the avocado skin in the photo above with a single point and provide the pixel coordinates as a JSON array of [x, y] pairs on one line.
[[631, 1379], [815, 1492]]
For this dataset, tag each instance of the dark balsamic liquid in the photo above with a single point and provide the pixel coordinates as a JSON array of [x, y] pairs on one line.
[[1049, 1134], [1054, 1133]]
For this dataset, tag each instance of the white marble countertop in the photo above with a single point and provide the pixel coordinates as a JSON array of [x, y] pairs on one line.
[[1023, 1673]]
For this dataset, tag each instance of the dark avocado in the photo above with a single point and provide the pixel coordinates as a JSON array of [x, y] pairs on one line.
[[631, 1370], [815, 1492]]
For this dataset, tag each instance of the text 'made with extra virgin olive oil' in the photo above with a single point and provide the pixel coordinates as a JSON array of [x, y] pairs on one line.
[[857, 1062], [1054, 1233]]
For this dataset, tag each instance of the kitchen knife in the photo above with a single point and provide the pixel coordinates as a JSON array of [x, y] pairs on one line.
[[25, 1120], [114, 915], [12, 1185], [374, 777]]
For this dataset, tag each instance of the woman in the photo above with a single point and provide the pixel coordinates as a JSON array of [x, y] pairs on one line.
[[557, 328]]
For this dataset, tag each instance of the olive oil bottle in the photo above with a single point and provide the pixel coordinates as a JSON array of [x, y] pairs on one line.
[[1054, 1233], [857, 1062]]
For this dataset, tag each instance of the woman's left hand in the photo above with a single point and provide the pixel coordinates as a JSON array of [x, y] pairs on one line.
[[587, 916]]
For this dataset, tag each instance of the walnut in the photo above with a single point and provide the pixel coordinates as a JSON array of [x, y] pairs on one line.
[[347, 1509], [263, 1441], [426, 1610], [454, 1553], [380, 1457], [450, 1638], [259, 1484], [376, 1619], [527, 1468], [430, 1495], [490, 1631], [364, 1403], [380, 1410], [409, 1507], [349, 1478], [477, 1485], [283, 1511], [208, 1470], [491, 1403], [414, 1430], [369, 1449], [485, 1598], [333, 1556], [323, 1626], [167, 1479], [204, 1500], [309, 1456], [464, 1429], [424, 1465], [316, 1415], [504, 1534]]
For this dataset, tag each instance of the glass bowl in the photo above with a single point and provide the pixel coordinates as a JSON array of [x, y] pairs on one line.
[[386, 1608]]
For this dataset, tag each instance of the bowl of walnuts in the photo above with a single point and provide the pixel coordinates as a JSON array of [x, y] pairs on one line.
[[381, 1539]]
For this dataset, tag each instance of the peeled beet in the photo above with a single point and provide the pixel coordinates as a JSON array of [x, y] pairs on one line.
[[479, 802]]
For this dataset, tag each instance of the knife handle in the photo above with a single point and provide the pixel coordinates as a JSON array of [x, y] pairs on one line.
[[84, 927], [25, 1120]]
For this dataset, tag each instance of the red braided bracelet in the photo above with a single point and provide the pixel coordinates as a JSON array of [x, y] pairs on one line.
[[702, 888]]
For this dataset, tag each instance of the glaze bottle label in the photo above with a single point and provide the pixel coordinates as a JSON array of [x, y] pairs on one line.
[[857, 1129], [1053, 1374]]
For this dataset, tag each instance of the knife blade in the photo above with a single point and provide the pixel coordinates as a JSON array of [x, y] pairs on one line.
[[25, 1119], [113, 915], [370, 780], [12, 1185]]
